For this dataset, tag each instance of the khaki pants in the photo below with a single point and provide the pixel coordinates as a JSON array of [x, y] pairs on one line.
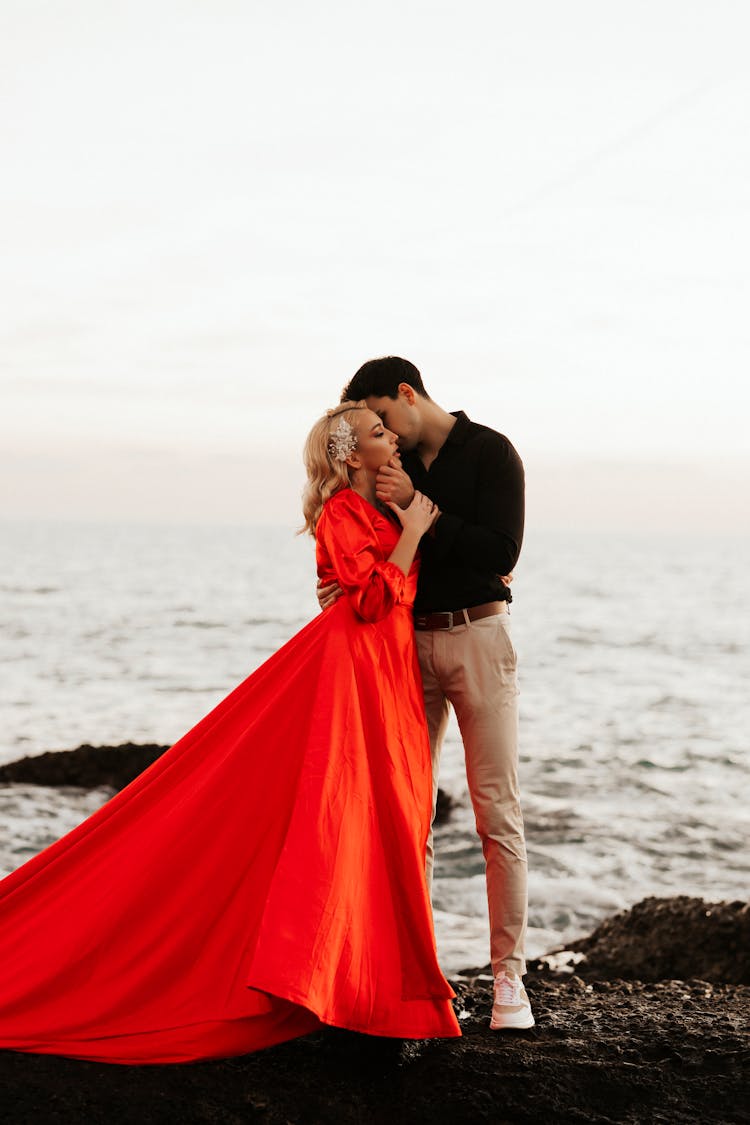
[[473, 667]]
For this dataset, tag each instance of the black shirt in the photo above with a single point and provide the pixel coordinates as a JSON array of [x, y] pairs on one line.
[[477, 481]]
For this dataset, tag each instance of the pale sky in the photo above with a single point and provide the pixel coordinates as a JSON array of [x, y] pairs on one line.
[[212, 213]]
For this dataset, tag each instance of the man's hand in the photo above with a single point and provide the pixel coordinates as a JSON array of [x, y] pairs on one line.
[[393, 485], [329, 594]]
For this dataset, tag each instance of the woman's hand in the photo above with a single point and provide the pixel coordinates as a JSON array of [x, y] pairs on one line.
[[418, 516], [328, 594]]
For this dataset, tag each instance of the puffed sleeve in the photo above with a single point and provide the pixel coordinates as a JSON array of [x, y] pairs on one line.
[[347, 536]]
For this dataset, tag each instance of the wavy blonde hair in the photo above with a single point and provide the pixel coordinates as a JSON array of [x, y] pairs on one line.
[[325, 475]]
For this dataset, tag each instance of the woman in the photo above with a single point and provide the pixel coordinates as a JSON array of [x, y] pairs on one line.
[[266, 875]]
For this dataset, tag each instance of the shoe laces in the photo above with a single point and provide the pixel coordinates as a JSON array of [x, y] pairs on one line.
[[507, 990]]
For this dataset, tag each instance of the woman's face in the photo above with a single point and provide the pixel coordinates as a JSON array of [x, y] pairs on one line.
[[375, 444]]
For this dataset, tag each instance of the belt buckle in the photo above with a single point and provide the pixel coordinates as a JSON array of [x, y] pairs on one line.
[[448, 615]]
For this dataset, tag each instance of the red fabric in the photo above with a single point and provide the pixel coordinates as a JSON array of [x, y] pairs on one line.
[[266, 874]]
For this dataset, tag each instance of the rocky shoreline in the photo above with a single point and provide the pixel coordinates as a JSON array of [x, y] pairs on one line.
[[644, 1020], [603, 1051]]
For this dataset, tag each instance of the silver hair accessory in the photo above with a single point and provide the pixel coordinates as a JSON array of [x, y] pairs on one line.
[[342, 441]]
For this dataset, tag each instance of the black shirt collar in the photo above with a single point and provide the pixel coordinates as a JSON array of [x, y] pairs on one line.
[[460, 431]]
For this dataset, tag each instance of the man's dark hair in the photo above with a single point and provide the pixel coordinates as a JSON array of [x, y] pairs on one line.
[[381, 377]]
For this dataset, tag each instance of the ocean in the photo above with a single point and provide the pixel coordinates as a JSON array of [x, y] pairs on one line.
[[634, 666]]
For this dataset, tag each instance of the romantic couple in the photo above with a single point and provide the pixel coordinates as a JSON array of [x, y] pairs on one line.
[[270, 873]]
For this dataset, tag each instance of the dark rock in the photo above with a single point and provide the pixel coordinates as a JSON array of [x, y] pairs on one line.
[[670, 939], [88, 766], [605, 1055], [444, 806]]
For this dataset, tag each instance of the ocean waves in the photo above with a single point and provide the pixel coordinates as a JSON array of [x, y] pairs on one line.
[[635, 712]]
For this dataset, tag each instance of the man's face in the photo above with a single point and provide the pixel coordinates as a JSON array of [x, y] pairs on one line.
[[400, 416]]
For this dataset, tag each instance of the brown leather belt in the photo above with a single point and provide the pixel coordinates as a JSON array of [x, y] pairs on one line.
[[451, 618]]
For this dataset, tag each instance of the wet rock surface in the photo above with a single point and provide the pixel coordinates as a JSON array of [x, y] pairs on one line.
[[606, 1051], [648, 1021]]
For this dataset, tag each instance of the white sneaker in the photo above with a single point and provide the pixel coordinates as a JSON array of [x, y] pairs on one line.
[[511, 1007]]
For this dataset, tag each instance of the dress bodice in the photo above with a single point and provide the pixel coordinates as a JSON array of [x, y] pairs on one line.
[[354, 542]]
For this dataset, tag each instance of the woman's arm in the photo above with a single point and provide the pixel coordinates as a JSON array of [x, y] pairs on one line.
[[373, 584]]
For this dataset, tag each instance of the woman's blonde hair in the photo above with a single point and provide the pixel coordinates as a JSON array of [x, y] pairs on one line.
[[326, 474]]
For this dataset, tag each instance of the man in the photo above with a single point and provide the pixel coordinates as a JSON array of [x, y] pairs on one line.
[[476, 479]]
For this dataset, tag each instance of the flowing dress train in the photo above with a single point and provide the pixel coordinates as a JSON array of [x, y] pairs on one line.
[[263, 877]]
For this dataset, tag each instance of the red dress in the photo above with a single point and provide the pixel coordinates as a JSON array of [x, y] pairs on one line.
[[266, 875]]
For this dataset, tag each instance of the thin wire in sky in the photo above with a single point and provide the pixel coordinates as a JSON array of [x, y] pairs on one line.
[[587, 164]]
